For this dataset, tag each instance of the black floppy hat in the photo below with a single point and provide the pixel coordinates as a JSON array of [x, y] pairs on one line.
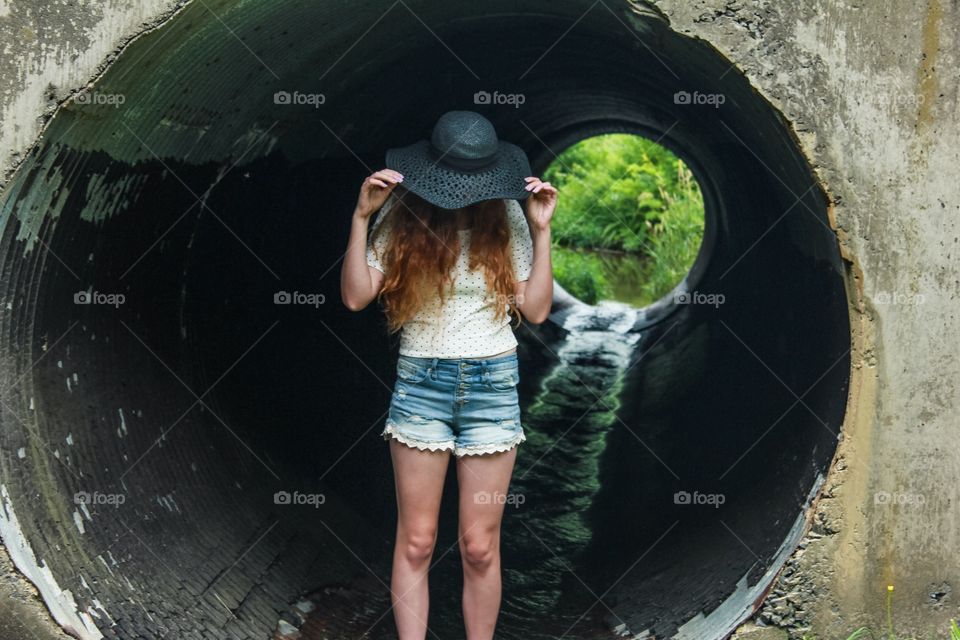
[[462, 163]]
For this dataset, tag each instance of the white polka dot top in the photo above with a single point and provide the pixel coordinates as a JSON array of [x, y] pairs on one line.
[[464, 327]]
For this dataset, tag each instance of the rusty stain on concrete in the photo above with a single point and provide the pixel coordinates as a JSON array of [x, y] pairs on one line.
[[927, 85]]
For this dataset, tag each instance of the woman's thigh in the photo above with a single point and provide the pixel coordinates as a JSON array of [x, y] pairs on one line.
[[419, 476], [484, 481]]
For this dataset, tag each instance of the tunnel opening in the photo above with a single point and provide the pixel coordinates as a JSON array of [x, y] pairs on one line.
[[631, 223], [185, 454]]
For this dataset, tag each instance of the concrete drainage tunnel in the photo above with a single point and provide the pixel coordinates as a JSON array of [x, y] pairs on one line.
[[199, 400]]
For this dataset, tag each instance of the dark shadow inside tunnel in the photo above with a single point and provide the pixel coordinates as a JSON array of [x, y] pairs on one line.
[[671, 450]]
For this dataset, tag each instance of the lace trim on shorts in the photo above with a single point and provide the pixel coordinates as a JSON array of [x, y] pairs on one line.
[[491, 448], [390, 430]]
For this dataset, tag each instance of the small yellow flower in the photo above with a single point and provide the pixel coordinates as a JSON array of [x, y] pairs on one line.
[[889, 587]]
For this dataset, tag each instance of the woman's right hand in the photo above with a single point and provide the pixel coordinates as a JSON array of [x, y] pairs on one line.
[[375, 190]]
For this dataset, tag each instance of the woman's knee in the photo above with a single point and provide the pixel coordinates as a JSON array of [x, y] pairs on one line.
[[479, 550], [417, 543]]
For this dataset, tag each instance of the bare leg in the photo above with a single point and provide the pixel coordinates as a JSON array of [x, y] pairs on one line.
[[484, 480], [419, 477]]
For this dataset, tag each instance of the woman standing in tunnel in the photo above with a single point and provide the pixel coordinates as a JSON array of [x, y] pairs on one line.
[[457, 371]]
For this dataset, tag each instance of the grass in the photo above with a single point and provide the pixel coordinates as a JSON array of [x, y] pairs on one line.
[[866, 632], [582, 274], [629, 195]]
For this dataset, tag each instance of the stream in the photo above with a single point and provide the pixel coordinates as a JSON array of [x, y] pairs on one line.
[[544, 529]]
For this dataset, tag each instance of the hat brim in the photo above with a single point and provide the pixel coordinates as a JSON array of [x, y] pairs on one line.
[[448, 188]]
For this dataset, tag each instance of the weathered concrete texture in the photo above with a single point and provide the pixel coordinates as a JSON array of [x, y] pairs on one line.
[[872, 91], [863, 88], [114, 180], [53, 49]]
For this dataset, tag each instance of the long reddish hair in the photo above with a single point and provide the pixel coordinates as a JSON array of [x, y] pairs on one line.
[[424, 246]]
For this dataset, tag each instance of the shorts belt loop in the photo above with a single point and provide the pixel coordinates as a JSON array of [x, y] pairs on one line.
[[433, 369]]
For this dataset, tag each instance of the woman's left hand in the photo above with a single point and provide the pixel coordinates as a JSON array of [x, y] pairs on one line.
[[541, 204]]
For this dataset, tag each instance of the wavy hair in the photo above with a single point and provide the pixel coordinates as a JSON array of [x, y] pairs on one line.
[[423, 248]]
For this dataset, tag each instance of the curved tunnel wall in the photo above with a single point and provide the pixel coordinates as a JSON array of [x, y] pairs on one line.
[[197, 400]]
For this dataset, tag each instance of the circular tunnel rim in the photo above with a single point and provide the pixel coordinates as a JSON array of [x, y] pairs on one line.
[[666, 306], [661, 309]]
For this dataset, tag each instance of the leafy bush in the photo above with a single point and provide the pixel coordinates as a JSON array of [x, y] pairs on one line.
[[581, 274], [625, 193]]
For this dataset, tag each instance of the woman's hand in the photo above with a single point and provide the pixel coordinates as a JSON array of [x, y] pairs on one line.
[[541, 204], [375, 190]]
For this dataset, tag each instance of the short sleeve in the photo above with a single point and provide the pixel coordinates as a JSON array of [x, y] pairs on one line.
[[377, 242], [520, 241]]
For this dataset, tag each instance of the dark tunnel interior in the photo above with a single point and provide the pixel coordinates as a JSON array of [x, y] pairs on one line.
[[225, 449]]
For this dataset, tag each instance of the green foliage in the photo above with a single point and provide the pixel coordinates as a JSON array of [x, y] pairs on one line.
[[581, 274], [626, 193]]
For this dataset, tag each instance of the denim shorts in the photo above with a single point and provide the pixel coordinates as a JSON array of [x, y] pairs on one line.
[[464, 405]]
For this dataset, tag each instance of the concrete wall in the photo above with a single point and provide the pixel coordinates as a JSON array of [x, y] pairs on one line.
[[53, 49], [871, 91]]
